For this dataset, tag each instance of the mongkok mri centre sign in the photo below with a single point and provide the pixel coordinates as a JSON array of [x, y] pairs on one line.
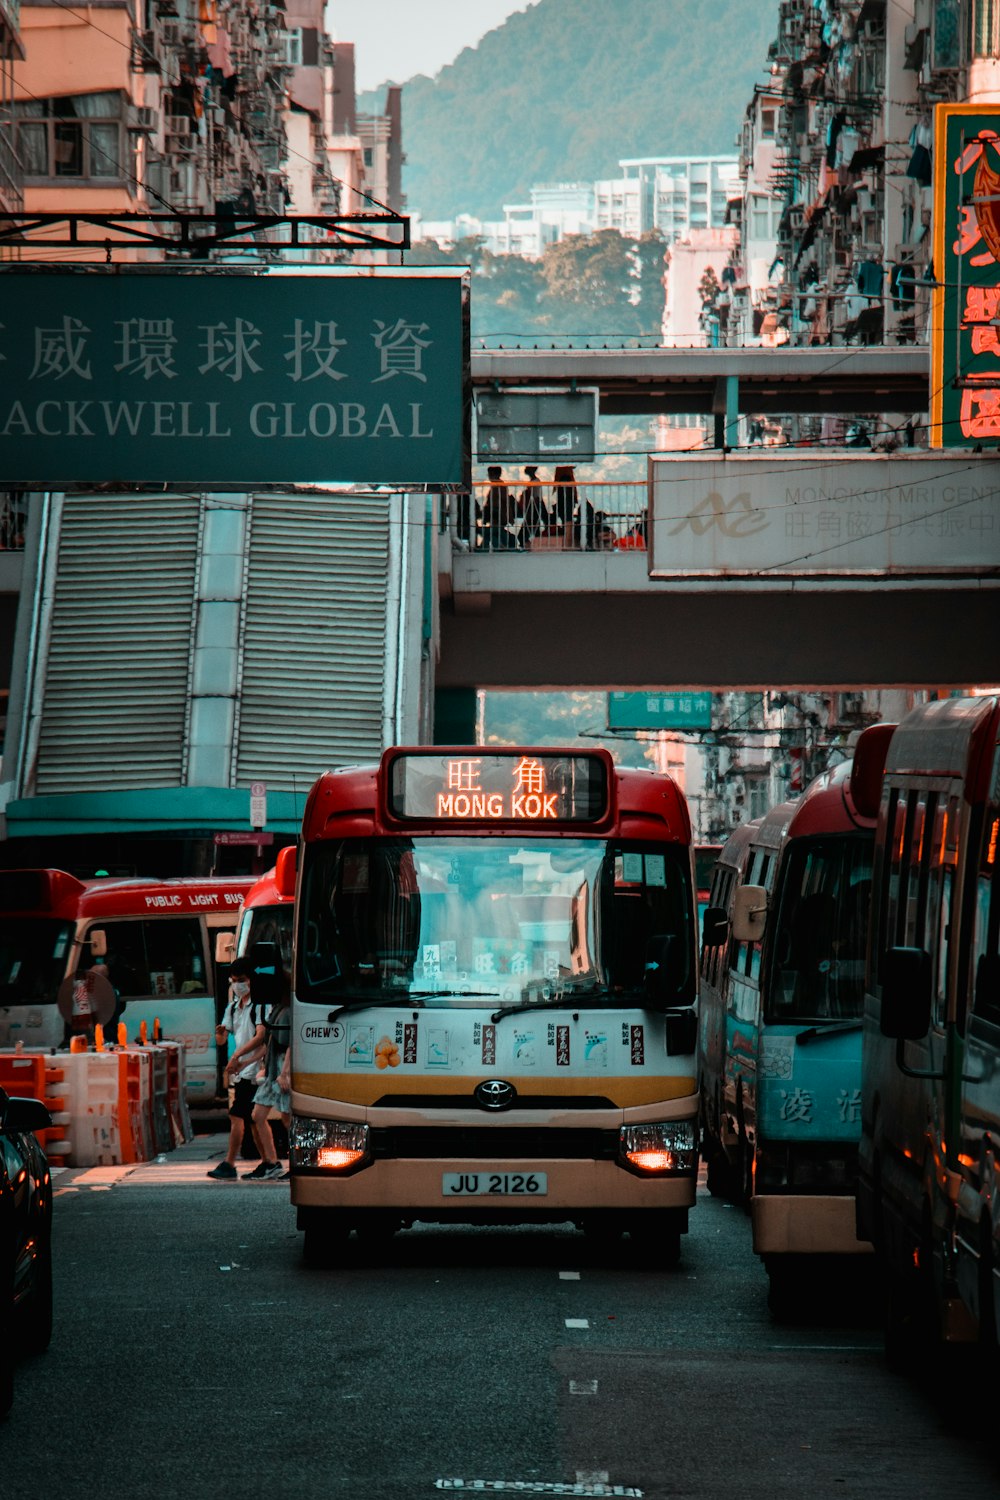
[[232, 379]]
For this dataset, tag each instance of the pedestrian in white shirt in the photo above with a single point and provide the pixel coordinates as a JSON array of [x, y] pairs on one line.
[[242, 1021]]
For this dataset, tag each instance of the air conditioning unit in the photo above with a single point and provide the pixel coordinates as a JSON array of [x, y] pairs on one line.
[[145, 59], [143, 118]]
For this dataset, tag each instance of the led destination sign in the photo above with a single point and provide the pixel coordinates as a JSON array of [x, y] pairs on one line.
[[516, 788]]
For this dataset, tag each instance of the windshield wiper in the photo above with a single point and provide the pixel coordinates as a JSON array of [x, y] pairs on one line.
[[817, 1033], [454, 994], [565, 999], [372, 1002], [416, 998]]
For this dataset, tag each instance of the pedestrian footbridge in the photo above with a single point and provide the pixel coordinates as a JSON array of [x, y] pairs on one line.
[[755, 570]]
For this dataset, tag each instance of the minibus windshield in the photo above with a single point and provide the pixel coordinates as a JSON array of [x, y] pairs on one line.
[[505, 920], [33, 954], [818, 954]]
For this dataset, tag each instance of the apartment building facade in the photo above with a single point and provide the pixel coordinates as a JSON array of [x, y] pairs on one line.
[[842, 138]]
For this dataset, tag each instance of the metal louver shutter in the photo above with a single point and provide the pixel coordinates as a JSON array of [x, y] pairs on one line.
[[314, 638], [116, 678]]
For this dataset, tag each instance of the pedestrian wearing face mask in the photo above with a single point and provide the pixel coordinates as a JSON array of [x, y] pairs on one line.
[[242, 1021]]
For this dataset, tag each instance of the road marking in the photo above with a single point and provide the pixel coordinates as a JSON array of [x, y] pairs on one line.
[[583, 1387], [825, 1349], [584, 1486], [577, 1322], [569, 1276]]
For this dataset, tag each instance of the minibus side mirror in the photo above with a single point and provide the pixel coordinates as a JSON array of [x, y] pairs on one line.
[[749, 913], [225, 947], [284, 871], [98, 941], [868, 768], [266, 973], [714, 926], [906, 994]]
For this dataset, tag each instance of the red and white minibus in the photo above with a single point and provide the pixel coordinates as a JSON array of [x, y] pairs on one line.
[[780, 1020], [494, 997], [267, 914], [151, 940], [929, 1186]]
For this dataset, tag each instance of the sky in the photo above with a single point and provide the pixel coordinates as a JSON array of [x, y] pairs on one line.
[[396, 39]]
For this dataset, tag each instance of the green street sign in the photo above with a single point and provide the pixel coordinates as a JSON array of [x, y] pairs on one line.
[[233, 379], [676, 710], [544, 426]]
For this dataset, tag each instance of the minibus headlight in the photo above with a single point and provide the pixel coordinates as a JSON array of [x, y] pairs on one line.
[[328, 1145], [658, 1148]]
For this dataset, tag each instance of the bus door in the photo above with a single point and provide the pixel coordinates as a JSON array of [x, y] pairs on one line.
[[743, 1018], [977, 1224], [809, 1093], [713, 998], [811, 1047], [918, 913]]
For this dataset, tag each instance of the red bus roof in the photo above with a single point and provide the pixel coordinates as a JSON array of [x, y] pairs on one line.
[[826, 806], [276, 887], [264, 892], [56, 893], [347, 803], [949, 737]]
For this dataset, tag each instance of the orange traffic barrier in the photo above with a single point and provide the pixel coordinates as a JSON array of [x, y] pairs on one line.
[[32, 1075], [109, 1107], [95, 1126], [180, 1118], [135, 1082], [159, 1103]]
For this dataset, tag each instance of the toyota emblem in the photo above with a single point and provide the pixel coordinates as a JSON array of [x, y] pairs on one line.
[[495, 1093]]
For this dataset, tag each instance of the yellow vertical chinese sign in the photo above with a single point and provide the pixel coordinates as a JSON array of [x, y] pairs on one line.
[[965, 308]]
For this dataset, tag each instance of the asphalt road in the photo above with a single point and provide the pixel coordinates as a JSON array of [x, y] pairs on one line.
[[195, 1357]]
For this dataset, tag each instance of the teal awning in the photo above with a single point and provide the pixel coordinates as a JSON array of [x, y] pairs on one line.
[[188, 810]]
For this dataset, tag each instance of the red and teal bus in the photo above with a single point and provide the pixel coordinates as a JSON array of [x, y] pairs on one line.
[[494, 998], [268, 911], [929, 1184], [782, 987], [150, 941]]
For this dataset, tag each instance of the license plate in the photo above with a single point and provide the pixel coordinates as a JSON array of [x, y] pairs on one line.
[[494, 1184]]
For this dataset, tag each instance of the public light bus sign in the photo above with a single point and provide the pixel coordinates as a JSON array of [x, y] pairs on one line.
[[233, 379], [462, 786]]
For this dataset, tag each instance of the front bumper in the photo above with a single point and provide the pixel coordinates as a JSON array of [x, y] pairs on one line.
[[794, 1224]]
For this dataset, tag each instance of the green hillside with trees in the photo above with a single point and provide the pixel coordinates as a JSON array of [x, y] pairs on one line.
[[604, 287], [562, 91]]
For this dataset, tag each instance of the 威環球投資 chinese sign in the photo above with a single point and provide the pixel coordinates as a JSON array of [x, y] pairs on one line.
[[231, 379]]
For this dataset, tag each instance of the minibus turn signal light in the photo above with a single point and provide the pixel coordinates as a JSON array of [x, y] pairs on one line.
[[336, 1158], [654, 1149], [328, 1145]]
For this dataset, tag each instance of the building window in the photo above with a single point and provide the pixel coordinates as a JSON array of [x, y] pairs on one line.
[[767, 124], [293, 46], [81, 135]]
